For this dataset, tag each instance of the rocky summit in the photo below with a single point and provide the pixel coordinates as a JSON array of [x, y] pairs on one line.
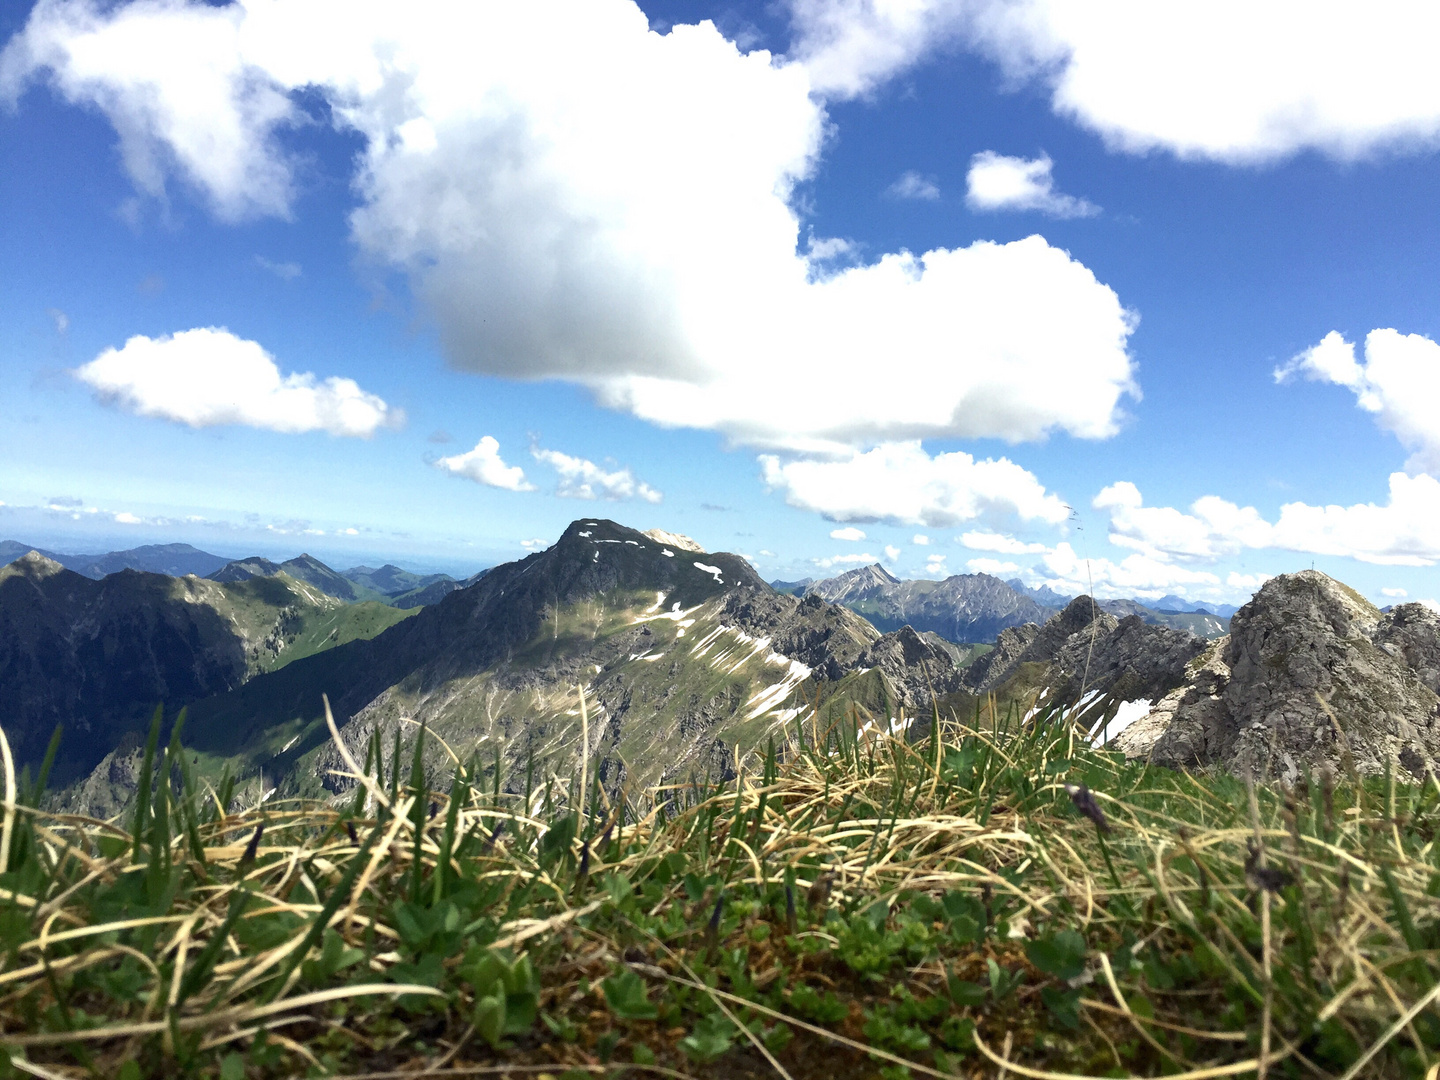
[[1311, 676]]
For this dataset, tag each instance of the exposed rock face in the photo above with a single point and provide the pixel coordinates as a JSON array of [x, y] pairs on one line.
[[1077, 626], [1410, 633], [1134, 660], [919, 666], [1311, 673]]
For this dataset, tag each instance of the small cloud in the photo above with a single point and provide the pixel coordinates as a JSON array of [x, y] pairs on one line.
[[863, 559], [285, 271], [151, 285], [935, 565], [535, 545], [920, 539], [126, 518], [440, 436], [1395, 594], [892, 553], [484, 466], [1000, 544], [713, 508], [65, 501], [764, 552], [829, 247], [911, 185], [351, 532], [60, 319], [582, 479], [847, 533], [994, 567], [997, 182]]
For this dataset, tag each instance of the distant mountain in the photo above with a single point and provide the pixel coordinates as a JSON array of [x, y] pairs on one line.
[[390, 580], [1176, 603], [793, 588], [964, 608], [98, 656], [177, 560], [304, 568], [1044, 595]]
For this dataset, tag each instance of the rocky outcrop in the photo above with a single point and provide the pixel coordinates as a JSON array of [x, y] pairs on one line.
[[920, 667], [1311, 675], [1133, 660]]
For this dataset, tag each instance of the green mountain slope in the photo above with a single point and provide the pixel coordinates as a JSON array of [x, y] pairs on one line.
[[98, 656]]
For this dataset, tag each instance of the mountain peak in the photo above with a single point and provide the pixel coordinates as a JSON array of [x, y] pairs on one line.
[[675, 540], [35, 566]]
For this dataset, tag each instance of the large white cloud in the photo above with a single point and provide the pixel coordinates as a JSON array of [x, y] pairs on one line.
[[485, 466], [208, 376], [559, 218], [1399, 382], [1405, 531], [902, 484], [998, 182], [1231, 80], [583, 479]]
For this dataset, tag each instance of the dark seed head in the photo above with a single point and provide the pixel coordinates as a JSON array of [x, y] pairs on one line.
[[350, 829], [819, 894], [1084, 801], [253, 847]]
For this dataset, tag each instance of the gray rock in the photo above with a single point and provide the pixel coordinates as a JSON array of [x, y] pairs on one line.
[[1411, 634], [1311, 675]]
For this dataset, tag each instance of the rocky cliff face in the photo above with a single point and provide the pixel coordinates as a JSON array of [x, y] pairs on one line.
[[1084, 651], [1310, 675]]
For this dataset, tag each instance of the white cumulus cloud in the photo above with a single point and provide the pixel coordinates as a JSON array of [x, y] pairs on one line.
[[1395, 594], [911, 185], [1227, 80], [582, 479], [1399, 382], [902, 484], [997, 182], [994, 567], [999, 542], [865, 559], [892, 553], [515, 145], [1404, 531], [208, 376], [849, 532], [485, 466]]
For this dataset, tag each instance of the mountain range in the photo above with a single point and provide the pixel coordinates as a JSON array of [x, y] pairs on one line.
[[974, 608], [638, 654], [388, 584]]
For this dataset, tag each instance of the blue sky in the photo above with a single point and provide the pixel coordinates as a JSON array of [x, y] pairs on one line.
[[460, 274]]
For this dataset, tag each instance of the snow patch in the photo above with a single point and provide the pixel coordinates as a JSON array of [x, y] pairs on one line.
[[715, 570], [1125, 715], [586, 535], [659, 599], [667, 553], [289, 744]]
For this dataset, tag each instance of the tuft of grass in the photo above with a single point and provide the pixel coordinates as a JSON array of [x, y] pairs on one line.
[[994, 898]]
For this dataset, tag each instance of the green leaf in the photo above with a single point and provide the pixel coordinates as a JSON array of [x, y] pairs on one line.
[[490, 1019], [964, 993], [712, 1037], [1064, 1005], [626, 996], [1060, 954], [232, 1067]]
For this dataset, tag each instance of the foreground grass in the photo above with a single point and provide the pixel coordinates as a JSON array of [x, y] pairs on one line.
[[980, 902]]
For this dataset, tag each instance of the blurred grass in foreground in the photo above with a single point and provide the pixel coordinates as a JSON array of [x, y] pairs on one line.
[[989, 899]]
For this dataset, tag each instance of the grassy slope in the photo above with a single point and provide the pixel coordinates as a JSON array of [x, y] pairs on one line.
[[855, 908]]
